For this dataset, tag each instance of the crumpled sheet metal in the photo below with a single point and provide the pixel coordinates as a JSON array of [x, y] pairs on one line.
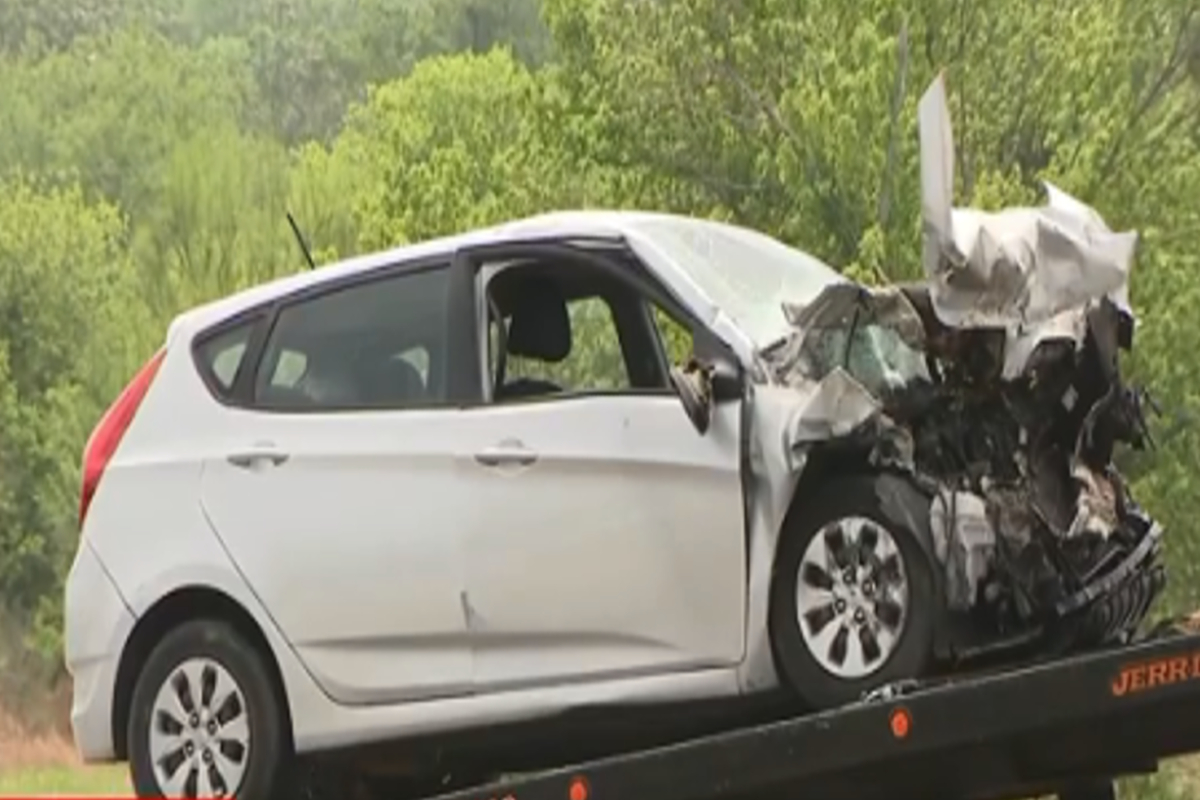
[[1096, 506], [906, 375], [836, 406], [836, 305], [1019, 268], [1020, 344], [837, 403], [880, 317]]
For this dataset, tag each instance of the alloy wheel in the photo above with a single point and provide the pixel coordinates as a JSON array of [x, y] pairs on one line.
[[852, 597], [200, 732]]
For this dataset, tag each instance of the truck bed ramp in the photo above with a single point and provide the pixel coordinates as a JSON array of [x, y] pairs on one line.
[[1069, 727]]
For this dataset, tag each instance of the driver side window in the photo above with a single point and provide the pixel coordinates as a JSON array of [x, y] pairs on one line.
[[594, 361], [561, 329]]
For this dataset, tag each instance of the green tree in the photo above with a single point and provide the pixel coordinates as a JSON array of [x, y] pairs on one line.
[[218, 223], [67, 341], [451, 146], [108, 112]]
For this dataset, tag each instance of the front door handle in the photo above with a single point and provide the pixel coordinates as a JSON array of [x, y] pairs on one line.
[[248, 458], [507, 453]]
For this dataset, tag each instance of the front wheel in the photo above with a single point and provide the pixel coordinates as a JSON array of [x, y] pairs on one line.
[[853, 600], [206, 720]]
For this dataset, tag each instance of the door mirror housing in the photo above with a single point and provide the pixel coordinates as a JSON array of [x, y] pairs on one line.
[[701, 386], [726, 382]]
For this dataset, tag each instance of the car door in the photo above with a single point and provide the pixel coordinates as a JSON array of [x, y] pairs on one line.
[[335, 488], [607, 534]]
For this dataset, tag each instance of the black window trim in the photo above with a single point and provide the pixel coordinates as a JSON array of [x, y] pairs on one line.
[[265, 316], [465, 387]]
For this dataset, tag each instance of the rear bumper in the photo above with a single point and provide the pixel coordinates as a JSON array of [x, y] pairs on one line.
[[97, 623]]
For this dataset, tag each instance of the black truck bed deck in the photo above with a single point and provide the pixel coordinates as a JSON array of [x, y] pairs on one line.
[[1016, 734]]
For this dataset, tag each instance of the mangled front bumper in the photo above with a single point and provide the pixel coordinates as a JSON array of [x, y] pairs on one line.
[[1113, 606]]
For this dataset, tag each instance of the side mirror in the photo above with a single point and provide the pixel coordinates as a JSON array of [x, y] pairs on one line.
[[700, 386], [726, 383]]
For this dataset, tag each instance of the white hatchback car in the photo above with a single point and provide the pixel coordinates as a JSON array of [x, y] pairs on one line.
[[349, 507], [330, 511]]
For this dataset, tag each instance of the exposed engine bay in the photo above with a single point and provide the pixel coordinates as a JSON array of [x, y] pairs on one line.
[[995, 386], [1031, 521]]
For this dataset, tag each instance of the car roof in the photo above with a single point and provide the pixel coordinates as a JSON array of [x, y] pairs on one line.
[[583, 224]]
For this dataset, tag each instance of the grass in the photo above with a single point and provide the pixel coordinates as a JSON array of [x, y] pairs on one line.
[[44, 762], [65, 779]]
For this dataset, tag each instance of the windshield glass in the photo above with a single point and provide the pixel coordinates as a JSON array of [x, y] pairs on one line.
[[748, 274]]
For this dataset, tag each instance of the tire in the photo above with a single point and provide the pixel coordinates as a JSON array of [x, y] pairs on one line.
[[885, 508], [250, 744]]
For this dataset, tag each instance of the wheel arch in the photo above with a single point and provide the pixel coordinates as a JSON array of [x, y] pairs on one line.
[[826, 465], [180, 605], [898, 492], [834, 484]]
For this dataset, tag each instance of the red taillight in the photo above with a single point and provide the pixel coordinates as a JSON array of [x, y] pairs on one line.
[[112, 426]]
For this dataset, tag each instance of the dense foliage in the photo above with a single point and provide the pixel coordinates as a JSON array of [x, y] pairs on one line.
[[152, 147]]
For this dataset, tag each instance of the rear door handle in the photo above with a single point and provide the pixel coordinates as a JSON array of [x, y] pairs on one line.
[[248, 458], [507, 453]]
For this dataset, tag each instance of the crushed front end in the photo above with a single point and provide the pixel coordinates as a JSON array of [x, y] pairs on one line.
[[995, 387], [1036, 528], [1039, 540]]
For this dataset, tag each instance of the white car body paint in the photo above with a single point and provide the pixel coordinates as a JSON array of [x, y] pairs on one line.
[[371, 563], [622, 562]]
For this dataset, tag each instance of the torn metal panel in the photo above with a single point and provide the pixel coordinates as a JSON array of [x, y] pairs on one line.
[[1096, 504], [937, 174], [1020, 345], [1083, 217], [1028, 271], [836, 407], [1023, 266]]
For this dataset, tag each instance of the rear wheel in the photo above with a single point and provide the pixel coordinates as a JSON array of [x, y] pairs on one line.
[[853, 601], [206, 720]]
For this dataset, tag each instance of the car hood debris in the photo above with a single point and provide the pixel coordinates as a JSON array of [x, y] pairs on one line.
[[995, 386]]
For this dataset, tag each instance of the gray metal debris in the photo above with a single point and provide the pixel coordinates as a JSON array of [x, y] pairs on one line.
[[1014, 268], [837, 406]]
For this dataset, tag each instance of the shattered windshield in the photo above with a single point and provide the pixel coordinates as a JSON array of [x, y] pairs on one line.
[[876, 336], [749, 275], [871, 352]]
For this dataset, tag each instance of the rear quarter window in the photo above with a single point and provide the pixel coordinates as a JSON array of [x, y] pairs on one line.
[[220, 356]]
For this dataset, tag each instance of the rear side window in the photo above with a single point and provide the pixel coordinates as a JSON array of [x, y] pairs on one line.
[[380, 344], [220, 357]]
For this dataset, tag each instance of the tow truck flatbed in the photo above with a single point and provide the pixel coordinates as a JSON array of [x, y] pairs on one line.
[[1070, 727]]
